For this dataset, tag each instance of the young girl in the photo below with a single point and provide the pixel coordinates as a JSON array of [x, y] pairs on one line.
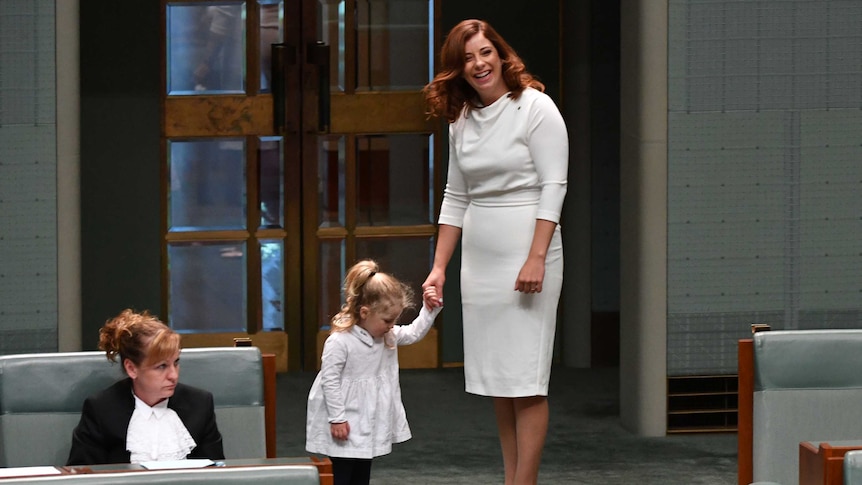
[[354, 406]]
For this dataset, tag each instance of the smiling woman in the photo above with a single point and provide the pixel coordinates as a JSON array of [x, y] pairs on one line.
[[148, 416], [508, 168]]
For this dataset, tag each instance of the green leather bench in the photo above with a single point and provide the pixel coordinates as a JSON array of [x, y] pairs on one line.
[[261, 475], [853, 467], [41, 397], [807, 386]]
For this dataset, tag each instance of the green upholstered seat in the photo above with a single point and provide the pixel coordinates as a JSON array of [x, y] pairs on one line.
[[41, 397], [807, 387]]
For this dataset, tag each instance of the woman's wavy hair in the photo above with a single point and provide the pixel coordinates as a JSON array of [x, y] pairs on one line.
[[448, 94], [139, 337]]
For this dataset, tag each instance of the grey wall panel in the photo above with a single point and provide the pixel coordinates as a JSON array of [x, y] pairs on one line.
[[28, 178], [764, 173]]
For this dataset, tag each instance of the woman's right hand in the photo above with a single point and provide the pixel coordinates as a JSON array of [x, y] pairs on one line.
[[434, 281]]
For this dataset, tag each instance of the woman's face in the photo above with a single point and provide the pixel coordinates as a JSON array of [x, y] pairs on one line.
[[154, 382], [483, 69]]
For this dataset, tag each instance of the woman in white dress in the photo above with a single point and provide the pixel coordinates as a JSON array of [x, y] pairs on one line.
[[508, 167]]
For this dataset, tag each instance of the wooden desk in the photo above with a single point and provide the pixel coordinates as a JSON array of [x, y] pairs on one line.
[[324, 467], [822, 463]]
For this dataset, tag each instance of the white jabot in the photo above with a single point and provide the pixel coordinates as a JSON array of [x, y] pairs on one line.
[[157, 434]]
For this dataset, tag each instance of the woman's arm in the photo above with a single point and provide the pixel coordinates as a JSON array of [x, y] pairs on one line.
[[447, 239], [549, 148], [87, 440], [532, 274]]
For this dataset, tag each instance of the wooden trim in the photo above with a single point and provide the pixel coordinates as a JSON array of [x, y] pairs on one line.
[[822, 465], [810, 464], [425, 230], [252, 48], [221, 115], [240, 235], [745, 418], [324, 469], [254, 292], [350, 191], [350, 53], [396, 231], [385, 112], [269, 404]]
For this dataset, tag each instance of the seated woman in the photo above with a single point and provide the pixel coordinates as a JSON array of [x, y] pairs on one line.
[[148, 416]]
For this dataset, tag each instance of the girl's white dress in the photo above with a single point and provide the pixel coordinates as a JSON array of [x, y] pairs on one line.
[[358, 383], [508, 166]]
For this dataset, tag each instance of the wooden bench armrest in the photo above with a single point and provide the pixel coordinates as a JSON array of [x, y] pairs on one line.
[[269, 403], [745, 415]]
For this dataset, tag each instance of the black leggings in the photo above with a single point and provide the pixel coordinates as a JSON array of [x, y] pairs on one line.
[[351, 471]]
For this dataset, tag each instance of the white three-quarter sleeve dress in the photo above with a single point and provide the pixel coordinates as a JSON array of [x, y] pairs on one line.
[[508, 166]]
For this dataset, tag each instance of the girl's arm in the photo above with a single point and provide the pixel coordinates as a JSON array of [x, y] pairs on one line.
[[416, 331], [331, 366]]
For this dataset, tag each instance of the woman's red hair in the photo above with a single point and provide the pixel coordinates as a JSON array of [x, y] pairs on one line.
[[448, 93]]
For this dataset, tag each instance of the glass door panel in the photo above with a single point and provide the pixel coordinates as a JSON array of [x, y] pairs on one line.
[[271, 182], [393, 39], [394, 175], [207, 184], [207, 286], [271, 14], [272, 283], [206, 48], [332, 18], [331, 270], [331, 188]]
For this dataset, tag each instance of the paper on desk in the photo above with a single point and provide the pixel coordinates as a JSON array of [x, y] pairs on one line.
[[28, 471], [175, 464]]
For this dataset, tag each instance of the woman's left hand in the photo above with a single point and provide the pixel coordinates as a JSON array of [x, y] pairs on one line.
[[531, 276]]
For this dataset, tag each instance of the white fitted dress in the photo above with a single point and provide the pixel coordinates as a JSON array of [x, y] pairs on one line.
[[358, 383], [508, 166]]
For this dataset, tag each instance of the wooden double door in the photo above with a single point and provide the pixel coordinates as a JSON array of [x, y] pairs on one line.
[[294, 142]]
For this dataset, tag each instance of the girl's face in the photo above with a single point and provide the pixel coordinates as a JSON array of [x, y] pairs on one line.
[[154, 382], [483, 69], [378, 322]]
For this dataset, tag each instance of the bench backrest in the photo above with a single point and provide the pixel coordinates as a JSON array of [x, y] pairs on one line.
[[41, 396], [261, 475], [807, 387], [853, 468]]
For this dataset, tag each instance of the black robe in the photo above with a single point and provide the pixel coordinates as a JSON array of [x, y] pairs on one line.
[[100, 436]]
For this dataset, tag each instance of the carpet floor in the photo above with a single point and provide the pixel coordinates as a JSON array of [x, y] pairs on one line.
[[455, 438]]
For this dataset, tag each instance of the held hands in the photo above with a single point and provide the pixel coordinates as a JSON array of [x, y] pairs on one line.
[[340, 431], [432, 289], [430, 298], [531, 276]]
